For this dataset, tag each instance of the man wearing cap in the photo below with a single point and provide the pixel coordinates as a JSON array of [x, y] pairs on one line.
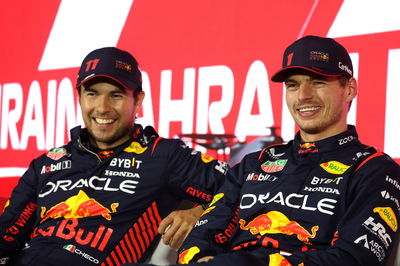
[[323, 198], [101, 198]]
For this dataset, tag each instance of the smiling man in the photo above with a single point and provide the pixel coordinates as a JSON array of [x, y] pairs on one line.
[[107, 195], [323, 198]]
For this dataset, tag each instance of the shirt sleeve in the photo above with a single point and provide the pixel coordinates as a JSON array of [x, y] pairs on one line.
[[195, 175], [212, 232], [367, 232], [17, 220]]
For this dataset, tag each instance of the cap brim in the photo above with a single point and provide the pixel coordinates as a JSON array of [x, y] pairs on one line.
[[282, 74], [103, 76]]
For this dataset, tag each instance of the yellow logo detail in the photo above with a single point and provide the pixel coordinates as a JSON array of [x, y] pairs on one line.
[[135, 147], [6, 205], [186, 256], [277, 259], [334, 167], [387, 214], [216, 198], [206, 158]]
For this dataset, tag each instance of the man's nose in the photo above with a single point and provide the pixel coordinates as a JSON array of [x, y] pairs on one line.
[[305, 91], [103, 104]]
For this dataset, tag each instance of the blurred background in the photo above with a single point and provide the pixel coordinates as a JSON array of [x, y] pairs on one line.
[[206, 69]]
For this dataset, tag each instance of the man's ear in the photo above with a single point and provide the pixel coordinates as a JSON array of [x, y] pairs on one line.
[[352, 89], [138, 101]]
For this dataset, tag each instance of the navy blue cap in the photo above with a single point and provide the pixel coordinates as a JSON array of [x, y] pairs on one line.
[[112, 63], [323, 56]]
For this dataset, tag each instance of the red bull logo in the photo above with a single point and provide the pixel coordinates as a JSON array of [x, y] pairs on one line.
[[78, 206], [105, 154], [69, 229], [187, 255], [277, 259], [307, 148], [275, 222]]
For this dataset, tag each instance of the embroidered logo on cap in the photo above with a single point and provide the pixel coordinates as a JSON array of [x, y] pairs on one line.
[[319, 56]]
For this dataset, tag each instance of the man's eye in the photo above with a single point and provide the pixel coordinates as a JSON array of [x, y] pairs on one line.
[[290, 85], [117, 96], [89, 93], [318, 82]]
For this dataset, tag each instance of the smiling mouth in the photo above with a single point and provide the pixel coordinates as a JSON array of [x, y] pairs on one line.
[[308, 109], [103, 121]]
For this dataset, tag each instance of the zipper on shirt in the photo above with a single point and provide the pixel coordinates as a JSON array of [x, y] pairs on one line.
[[99, 161]]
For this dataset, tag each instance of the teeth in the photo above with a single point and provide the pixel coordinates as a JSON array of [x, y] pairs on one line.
[[104, 121], [308, 109]]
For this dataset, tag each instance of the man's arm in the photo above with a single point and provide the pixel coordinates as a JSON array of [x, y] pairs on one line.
[[16, 222], [193, 176], [367, 232], [211, 234]]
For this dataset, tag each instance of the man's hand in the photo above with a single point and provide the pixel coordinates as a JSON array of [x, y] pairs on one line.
[[177, 225]]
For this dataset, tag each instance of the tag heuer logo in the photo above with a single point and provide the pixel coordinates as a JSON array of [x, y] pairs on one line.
[[57, 153], [273, 166]]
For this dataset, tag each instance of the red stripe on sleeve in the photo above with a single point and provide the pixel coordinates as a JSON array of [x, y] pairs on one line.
[[155, 144], [369, 158]]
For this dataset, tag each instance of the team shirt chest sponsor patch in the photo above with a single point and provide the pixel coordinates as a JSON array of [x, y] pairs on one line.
[[135, 147], [334, 167], [260, 177], [274, 166], [387, 214], [57, 153]]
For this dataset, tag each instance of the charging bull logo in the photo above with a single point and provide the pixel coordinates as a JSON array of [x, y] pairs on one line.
[[275, 222], [187, 255], [78, 206], [277, 259]]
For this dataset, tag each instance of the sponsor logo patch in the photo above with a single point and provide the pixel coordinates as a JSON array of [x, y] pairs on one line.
[[373, 246], [387, 214], [273, 166], [386, 195], [57, 153], [261, 177], [334, 167], [206, 158], [319, 56], [135, 147], [187, 255], [56, 167], [379, 230]]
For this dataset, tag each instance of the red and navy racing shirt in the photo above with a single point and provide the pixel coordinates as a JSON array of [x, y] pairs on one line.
[[73, 207], [330, 202]]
